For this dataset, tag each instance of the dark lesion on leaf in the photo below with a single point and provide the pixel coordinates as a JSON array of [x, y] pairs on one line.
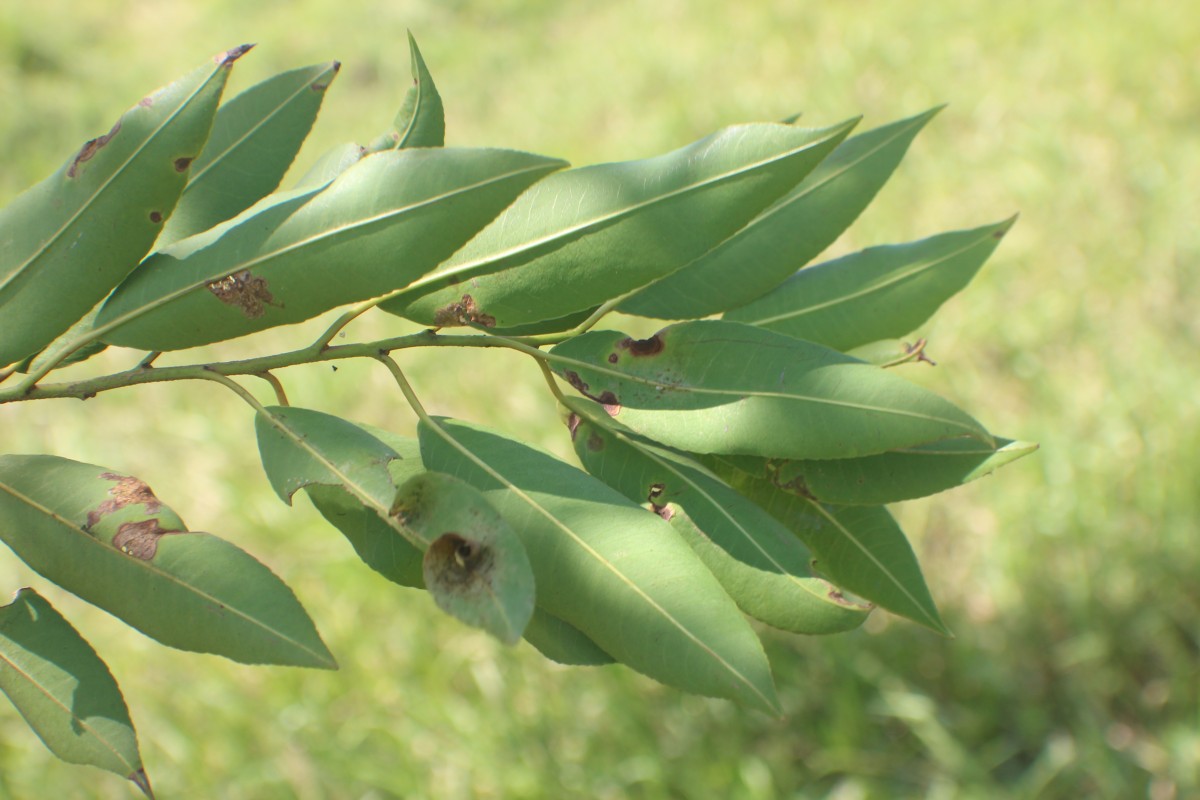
[[129, 491], [182, 163], [795, 484], [140, 539], [654, 496], [244, 291], [641, 347], [611, 403], [90, 148], [457, 561], [463, 311]]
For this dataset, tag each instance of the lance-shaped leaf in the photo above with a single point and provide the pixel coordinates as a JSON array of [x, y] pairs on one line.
[[888, 477], [421, 121], [587, 235], [381, 224], [787, 235], [877, 293], [562, 642], [105, 537], [712, 386], [331, 164], [475, 566], [762, 565], [859, 548], [616, 572], [64, 690], [66, 242], [254, 139]]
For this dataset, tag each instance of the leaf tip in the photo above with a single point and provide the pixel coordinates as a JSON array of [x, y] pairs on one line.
[[227, 58], [142, 781]]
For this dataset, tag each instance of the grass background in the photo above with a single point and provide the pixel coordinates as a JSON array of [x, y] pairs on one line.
[[1072, 578]]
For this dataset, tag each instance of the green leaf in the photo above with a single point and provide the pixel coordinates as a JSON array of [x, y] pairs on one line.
[[66, 242], [105, 537], [711, 386], [255, 137], [475, 566], [381, 224], [374, 539], [609, 568], [331, 164], [562, 642], [877, 293], [888, 477], [587, 235], [758, 561], [421, 121], [859, 548], [64, 690], [787, 235]]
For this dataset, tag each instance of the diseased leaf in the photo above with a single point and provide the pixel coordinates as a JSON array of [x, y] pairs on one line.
[[859, 548], [711, 386], [255, 137], [381, 224], [587, 235], [615, 571], [562, 642], [374, 539], [475, 566], [877, 293], [760, 563], [888, 477], [66, 242], [105, 537], [64, 690], [787, 235]]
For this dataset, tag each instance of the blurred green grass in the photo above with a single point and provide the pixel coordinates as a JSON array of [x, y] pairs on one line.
[[1072, 578]]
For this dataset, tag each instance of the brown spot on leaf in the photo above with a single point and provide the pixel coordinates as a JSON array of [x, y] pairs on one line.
[[90, 148], [595, 443], [573, 424], [182, 163], [146, 101], [129, 491], [662, 509], [156, 217], [140, 539], [642, 347], [457, 561], [610, 401], [462, 312], [244, 291], [613, 358]]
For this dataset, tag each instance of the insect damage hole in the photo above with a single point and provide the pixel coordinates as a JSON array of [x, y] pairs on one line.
[[455, 560]]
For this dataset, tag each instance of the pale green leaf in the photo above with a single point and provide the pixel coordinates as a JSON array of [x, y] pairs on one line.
[[105, 537], [562, 642], [66, 242], [761, 564], [789, 234], [421, 121], [712, 386], [615, 571], [859, 548], [877, 293], [64, 690], [255, 137], [378, 226], [586, 235]]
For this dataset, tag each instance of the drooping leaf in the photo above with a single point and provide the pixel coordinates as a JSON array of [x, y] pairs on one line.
[[789, 234], [859, 548], [761, 564], [877, 293], [613, 570], [64, 690], [587, 235], [888, 477], [475, 566], [421, 121], [382, 223], [105, 537], [562, 642], [711, 386], [255, 137], [66, 242]]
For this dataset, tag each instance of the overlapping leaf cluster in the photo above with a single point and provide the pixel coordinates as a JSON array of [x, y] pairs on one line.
[[735, 465]]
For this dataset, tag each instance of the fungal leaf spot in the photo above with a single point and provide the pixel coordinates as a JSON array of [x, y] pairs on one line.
[[128, 491], [463, 311], [243, 291], [90, 148], [641, 347], [140, 539], [458, 564]]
